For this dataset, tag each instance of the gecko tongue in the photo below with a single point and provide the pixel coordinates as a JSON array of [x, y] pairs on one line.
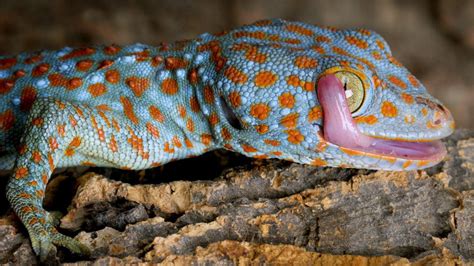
[[340, 129]]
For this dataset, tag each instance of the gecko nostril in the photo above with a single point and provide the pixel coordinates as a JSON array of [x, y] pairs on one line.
[[441, 107]]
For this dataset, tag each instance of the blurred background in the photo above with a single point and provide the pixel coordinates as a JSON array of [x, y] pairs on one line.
[[434, 39]]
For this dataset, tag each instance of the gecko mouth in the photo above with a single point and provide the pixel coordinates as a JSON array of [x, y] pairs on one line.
[[340, 129]]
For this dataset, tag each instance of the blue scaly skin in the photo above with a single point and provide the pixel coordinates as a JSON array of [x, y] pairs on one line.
[[265, 90]]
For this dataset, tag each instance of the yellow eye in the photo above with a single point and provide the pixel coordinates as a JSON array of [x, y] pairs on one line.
[[354, 88]]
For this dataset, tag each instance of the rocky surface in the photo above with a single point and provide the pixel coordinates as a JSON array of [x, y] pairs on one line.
[[267, 211]]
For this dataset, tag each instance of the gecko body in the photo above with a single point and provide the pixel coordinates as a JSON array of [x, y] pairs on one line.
[[273, 89]]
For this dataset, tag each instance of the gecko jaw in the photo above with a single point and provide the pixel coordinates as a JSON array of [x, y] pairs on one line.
[[340, 129]]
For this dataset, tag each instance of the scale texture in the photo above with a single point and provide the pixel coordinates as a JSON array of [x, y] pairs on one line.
[[251, 90]]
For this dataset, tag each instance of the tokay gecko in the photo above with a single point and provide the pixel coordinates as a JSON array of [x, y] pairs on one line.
[[273, 89]]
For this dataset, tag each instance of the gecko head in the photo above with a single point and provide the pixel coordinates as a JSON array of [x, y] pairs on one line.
[[337, 98]]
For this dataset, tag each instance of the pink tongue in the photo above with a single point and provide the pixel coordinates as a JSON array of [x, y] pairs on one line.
[[340, 129]]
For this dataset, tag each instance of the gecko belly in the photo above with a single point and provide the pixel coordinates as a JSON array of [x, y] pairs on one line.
[[340, 129]]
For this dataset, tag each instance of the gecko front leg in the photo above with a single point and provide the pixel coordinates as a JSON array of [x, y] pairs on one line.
[[63, 134]]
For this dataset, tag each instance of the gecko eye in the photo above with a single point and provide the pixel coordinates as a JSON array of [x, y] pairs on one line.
[[354, 88], [229, 114]]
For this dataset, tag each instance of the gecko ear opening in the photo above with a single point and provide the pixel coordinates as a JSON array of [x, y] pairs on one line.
[[229, 114]]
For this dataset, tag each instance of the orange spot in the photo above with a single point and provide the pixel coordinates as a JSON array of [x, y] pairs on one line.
[[51, 161], [234, 98], [293, 80], [27, 98], [340, 51], [193, 102], [84, 65], [206, 139], [177, 143], [406, 164], [101, 134], [254, 34], [299, 29], [376, 55], [70, 150], [113, 144], [21, 172], [265, 79], [182, 111], [167, 148], [193, 76], [156, 61], [308, 86], [369, 119], [286, 100], [262, 129], [357, 42], [377, 82], [350, 152], [254, 55], [322, 38], [277, 153], [388, 109], [319, 162], [422, 163], [128, 109], [152, 130], [72, 120], [74, 83], [36, 156], [112, 76], [173, 63], [213, 119], [61, 130], [290, 121], [7, 63], [235, 75], [248, 148], [155, 113], [40, 69], [260, 111], [78, 52], [33, 59], [208, 94], [292, 41], [6, 85], [318, 49], [271, 142], [53, 143], [37, 121], [409, 119], [169, 86], [424, 111], [294, 136], [97, 89], [315, 114], [137, 85], [321, 146], [397, 82], [380, 44], [407, 98], [365, 32], [305, 62], [226, 134], [190, 125], [413, 81]]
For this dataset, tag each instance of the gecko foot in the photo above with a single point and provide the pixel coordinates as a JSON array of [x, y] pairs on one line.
[[45, 238]]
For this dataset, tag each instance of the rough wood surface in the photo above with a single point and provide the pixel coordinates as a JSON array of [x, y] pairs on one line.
[[266, 212]]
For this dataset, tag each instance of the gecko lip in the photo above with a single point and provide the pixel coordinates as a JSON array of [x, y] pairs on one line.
[[340, 129]]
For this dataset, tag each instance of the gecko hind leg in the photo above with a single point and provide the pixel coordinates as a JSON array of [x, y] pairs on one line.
[[50, 137]]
